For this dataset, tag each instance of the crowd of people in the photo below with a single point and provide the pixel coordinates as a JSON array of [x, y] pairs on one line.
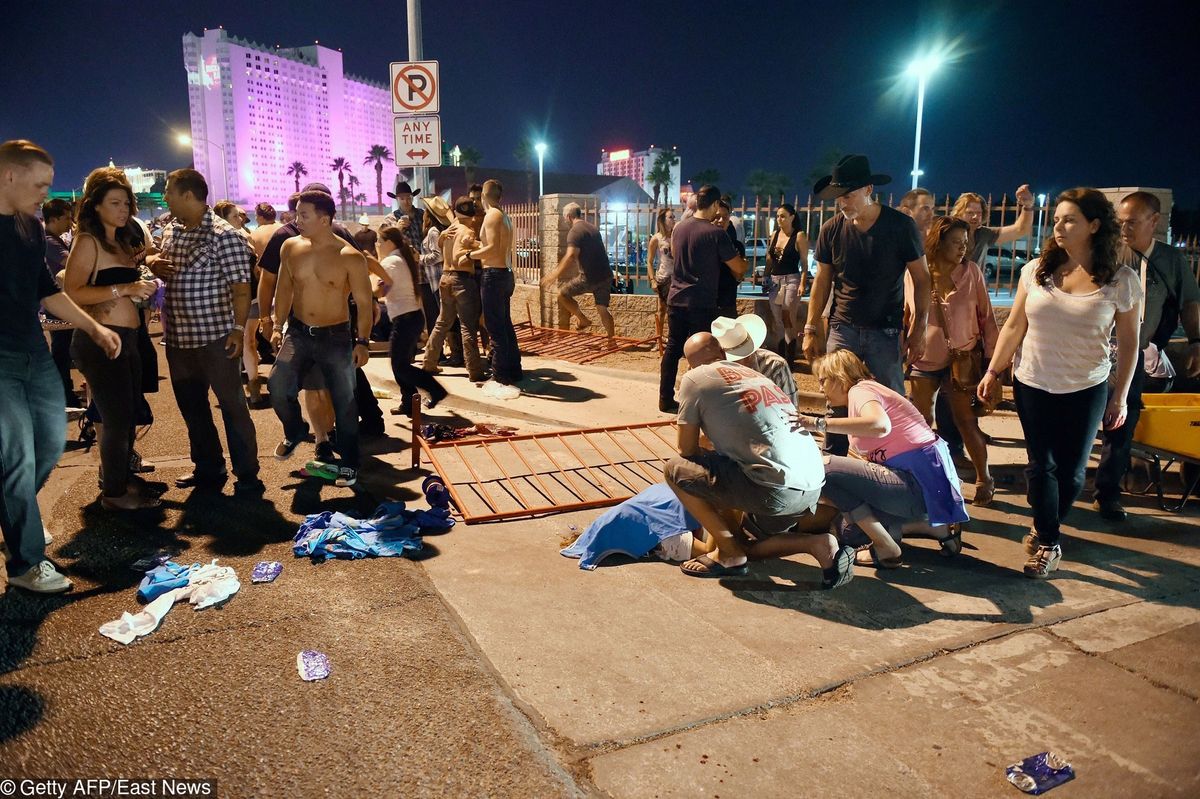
[[902, 336], [899, 330], [298, 282]]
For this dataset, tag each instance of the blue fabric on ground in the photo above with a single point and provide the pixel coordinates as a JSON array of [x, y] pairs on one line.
[[634, 527], [391, 531], [164, 578]]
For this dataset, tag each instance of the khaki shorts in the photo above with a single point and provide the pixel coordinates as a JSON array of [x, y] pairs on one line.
[[721, 481], [600, 289]]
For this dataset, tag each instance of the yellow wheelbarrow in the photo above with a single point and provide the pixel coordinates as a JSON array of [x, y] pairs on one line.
[[1167, 433]]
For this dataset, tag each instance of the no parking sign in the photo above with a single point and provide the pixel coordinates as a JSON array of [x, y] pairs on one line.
[[415, 87]]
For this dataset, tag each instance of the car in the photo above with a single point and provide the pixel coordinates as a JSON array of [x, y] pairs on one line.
[[756, 248], [1003, 260]]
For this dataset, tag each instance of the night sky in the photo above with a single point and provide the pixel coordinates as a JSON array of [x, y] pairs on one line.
[[1053, 93]]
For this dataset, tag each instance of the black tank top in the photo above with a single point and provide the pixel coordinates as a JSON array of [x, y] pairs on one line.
[[787, 260], [116, 275]]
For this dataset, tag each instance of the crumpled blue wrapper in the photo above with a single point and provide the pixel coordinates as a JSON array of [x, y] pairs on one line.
[[312, 665], [265, 571], [1039, 773]]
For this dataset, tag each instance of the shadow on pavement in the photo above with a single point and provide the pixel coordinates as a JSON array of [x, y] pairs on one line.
[[553, 384], [20, 710]]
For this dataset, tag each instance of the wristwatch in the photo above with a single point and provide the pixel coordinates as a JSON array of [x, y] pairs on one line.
[[822, 424], [361, 342]]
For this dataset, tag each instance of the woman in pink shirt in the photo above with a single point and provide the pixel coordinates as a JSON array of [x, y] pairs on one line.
[[907, 481], [960, 316]]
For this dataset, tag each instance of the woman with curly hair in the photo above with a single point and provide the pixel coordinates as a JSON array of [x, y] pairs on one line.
[[102, 277], [1062, 318]]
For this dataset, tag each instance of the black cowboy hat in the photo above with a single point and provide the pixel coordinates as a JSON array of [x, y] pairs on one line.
[[852, 172], [402, 187]]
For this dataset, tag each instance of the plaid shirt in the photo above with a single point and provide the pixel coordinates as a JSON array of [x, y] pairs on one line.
[[209, 258]]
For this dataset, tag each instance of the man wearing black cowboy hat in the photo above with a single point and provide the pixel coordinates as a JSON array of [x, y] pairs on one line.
[[862, 255]]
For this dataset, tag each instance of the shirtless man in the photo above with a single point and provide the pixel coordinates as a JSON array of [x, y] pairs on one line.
[[318, 271], [494, 252]]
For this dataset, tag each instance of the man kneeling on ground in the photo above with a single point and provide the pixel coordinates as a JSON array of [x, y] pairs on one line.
[[319, 271], [758, 463]]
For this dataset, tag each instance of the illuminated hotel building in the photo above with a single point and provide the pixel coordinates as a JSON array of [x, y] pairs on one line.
[[636, 167], [256, 110]]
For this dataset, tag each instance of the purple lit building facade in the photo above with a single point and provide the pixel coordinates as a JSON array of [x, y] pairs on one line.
[[255, 110]]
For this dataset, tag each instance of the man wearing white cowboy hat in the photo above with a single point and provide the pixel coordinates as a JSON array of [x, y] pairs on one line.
[[759, 464], [742, 340], [862, 255]]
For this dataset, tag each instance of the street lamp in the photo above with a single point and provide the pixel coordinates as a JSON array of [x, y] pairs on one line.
[[186, 141], [540, 147], [1041, 198], [921, 69]]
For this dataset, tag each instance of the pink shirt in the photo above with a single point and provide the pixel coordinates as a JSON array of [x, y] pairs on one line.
[[909, 430], [969, 317]]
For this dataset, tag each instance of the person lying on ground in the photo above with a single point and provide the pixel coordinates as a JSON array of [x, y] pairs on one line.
[[907, 482]]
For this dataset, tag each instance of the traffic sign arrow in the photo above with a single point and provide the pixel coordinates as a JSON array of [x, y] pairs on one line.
[[417, 153]]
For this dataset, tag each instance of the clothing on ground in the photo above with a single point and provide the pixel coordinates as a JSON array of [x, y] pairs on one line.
[[202, 586], [634, 528], [391, 531]]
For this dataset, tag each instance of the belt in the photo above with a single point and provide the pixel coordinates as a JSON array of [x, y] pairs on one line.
[[314, 330]]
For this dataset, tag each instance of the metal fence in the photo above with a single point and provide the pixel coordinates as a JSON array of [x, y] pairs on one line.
[[627, 229]]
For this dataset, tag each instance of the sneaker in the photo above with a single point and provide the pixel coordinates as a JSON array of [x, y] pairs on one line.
[[46, 535], [41, 579], [285, 448], [1110, 508], [324, 451], [249, 488], [1043, 561], [346, 477]]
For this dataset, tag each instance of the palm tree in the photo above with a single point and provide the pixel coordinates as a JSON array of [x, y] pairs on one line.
[[526, 155], [342, 168], [824, 165], [706, 177], [659, 175], [468, 159], [297, 170], [377, 155], [352, 183], [762, 183]]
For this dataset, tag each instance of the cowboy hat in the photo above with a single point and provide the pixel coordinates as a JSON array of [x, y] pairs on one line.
[[439, 208], [852, 172], [402, 187], [739, 337]]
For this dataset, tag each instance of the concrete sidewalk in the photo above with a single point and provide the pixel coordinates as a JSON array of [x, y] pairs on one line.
[[496, 667], [929, 679]]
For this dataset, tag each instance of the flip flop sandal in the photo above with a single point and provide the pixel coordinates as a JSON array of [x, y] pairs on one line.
[[712, 568], [952, 543], [842, 570], [877, 562]]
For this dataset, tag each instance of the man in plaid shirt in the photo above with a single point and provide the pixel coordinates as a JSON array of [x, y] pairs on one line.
[[206, 264]]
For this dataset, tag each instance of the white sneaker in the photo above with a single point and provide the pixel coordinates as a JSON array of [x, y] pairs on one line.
[[346, 477], [42, 579], [46, 533]]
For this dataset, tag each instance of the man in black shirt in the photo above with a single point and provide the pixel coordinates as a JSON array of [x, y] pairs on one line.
[[31, 394], [585, 250], [58, 215], [701, 251], [862, 255]]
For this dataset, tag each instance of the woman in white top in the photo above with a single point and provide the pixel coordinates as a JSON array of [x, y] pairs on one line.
[[1062, 318], [408, 319], [660, 278]]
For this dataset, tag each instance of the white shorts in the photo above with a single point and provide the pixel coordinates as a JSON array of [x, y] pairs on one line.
[[787, 290], [676, 549]]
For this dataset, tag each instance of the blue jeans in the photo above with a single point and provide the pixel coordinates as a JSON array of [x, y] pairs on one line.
[[1059, 432], [879, 349], [331, 350], [32, 432], [496, 288]]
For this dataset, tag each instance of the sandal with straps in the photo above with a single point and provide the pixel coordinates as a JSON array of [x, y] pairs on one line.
[[952, 543]]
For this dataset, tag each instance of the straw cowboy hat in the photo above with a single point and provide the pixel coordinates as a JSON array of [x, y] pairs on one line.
[[852, 172], [439, 208], [739, 337]]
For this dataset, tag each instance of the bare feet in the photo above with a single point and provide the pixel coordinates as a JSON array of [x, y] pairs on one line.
[[583, 323]]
